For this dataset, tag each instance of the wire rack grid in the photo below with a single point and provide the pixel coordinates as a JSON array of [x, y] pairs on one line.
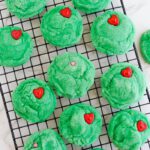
[[37, 67]]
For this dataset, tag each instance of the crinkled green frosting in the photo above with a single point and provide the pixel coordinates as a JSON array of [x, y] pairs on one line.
[[120, 91], [14, 52], [27, 106], [110, 39], [60, 31], [90, 6], [145, 46], [25, 8], [123, 131], [46, 140], [68, 80], [73, 127]]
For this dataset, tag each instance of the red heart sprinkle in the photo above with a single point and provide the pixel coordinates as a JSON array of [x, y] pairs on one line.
[[127, 72], [89, 118], [38, 93], [113, 20], [16, 34], [141, 126], [35, 145], [66, 12]]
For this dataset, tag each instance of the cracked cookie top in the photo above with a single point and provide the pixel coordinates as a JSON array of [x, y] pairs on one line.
[[112, 33], [62, 26], [123, 85], [71, 75], [45, 140], [33, 100], [90, 6], [129, 129], [25, 8], [80, 124], [145, 46], [15, 46]]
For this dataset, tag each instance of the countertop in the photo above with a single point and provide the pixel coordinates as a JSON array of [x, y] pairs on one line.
[[139, 12]]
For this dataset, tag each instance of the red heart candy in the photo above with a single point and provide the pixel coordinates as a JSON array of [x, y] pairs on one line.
[[127, 72], [141, 126], [66, 12], [35, 145], [89, 118], [38, 93], [16, 34], [113, 20]]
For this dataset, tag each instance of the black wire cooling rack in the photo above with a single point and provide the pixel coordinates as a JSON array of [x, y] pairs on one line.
[[37, 67]]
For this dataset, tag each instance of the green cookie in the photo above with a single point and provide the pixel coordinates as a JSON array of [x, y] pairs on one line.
[[71, 75], [15, 46], [129, 129], [33, 100], [90, 6], [25, 8], [62, 26], [122, 85], [45, 140], [145, 46], [80, 124], [112, 33]]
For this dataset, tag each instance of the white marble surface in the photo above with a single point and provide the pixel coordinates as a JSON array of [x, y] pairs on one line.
[[139, 12]]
